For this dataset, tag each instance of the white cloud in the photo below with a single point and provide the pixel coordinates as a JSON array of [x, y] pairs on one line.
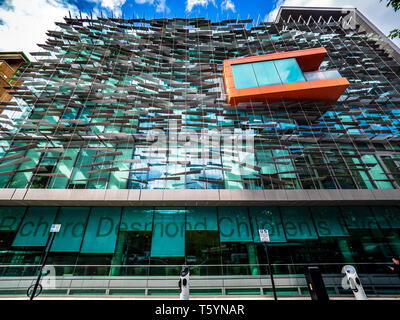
[[162, 7], [228, 5], [111, 5], [145, 1], [191, 3], [25, 24], [384, 18]]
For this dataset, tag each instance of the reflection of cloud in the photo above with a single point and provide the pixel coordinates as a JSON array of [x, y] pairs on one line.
[[228, 5], [25, 24], [383, 17]]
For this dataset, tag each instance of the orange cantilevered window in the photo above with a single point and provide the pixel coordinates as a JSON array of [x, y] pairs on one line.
[[291, 75]]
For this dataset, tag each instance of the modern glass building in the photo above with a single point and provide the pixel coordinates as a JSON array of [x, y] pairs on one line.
[[159, 143]]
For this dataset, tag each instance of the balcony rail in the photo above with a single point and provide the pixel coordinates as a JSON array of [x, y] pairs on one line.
[[210, 280]]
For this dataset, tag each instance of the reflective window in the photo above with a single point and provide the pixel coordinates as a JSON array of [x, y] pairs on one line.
[[243, 75], [266, 73], [289, 70]]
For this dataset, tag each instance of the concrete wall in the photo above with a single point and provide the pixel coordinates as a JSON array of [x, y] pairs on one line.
[[189, 197]]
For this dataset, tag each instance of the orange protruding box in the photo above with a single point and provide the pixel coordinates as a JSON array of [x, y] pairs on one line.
[[308, 60]]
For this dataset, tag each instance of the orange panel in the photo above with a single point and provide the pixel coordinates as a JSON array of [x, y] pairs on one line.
[[309, 60]]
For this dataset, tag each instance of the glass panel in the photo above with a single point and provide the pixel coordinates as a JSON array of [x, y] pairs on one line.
[[244, 76], [313, 76], [137, 219], [10, 217], [359, 218], [203, 248], [201, 218], [101, 231], [329, 222], [234, 224], [298, 223], [289, 70], [73, 222], [65, 167], [387, 217], [266, 73], [321, 75], [267, 218], [35, 227], [169, 233], [133, 248], [21, 179], [118, 179]]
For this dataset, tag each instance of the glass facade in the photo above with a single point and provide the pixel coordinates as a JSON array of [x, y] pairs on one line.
[[150, 113], [115, 104], [218, 237]]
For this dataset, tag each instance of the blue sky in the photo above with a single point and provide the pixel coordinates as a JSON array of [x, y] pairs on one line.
[[179, 8], [23, 23]]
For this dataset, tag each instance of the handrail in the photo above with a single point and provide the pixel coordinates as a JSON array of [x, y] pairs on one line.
[[197, 265]]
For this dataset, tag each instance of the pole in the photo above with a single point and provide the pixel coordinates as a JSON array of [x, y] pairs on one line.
[[52, 236], [270, 271]]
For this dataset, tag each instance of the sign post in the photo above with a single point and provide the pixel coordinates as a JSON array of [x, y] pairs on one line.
[[32, 290], [264, 237]]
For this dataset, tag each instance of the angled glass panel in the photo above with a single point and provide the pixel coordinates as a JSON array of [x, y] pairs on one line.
[[64, 166], [266, 73], [243, 76], [289, 70]]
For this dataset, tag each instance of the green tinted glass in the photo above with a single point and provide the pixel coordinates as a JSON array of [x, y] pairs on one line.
[[168, 233], [73, 222], [35, 227], [387, 217], [359, 218], [137, 219], [101, 230], [298, 223], [289, 70], [201, 218], [243, 75], [329, 222], [267, 218], [10, 217], [234, 224], [266, 73]]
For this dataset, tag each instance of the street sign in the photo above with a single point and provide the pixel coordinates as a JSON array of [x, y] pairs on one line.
[[55, 228], [264, 235]]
